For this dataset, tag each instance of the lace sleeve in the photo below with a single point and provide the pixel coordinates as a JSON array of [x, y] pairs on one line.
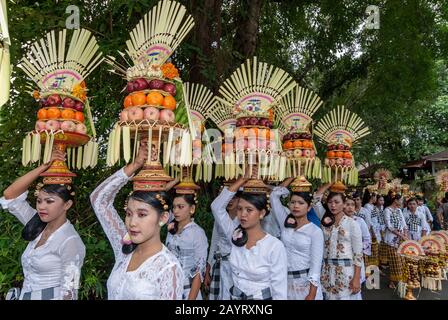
[[171, 283], [19, 207], [277, 209], [72, 253], [102, 199], [200, 254], [356, 242], [220, 214]]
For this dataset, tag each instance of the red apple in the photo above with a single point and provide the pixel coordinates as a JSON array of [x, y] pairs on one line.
[[152, 113], [79, 106], [306, 153], [156, 84], [170, 88], [312, 153], [289, 153], [135, 113], [167, 115], [269, 124], [287, 137], [43, 102], [68, 103], [54, 100], [339, 161], [130, 87], [140, 84], [348, 162], [81, 128], [331, 147], [295, 136], [52, 125], [253, 121], [68, 126], [332, 162], [341, 147], [40, 125], [124, 115], [263, 122]]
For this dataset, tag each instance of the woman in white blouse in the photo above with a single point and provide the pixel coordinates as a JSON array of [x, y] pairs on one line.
[[188, 242], [55, 253], [415, 220], [303, 240], [341, 272], [257, 259], [144, 268]]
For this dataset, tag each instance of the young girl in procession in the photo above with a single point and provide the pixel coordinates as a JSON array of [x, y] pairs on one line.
[[218, 273], [55, 253], [188, 242], [303, 241], [349, 210], [378, 215], [396, 232], [144, 268], [375, 228], [257, 259], [415, 220], [341, 272], [422, 207]]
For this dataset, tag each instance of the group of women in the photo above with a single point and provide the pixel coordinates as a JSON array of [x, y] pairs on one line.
[[308, 260]]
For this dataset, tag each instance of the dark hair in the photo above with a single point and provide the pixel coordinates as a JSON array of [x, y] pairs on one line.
[[411, 199], [305, 196], [378, 198], [335, 194], [148, 197], [446, 195], [189, 198], [355, 194], [259, 201], [35, 226], [419, 198], [239, 242]]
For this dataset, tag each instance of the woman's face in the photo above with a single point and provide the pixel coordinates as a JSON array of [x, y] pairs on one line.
[[50, 206], [142, 221], [298, 206], [349, 207], [336, 205], [380, 202], [248, 214], [398, 202], [182, 210], [412, 206], [358, 201]]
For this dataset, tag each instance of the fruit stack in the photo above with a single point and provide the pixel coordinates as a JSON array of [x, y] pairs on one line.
[[151, 98], [155, 107], [253, 132], [339, 155], [340, 129], [64, 118], [61, 112], [299, 145]]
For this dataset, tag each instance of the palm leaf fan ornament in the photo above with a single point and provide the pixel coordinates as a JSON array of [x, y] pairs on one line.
[[199, 100], [59, 73], [5, 42], [251, 92], [340, 129], [294, 119], [154, 40]]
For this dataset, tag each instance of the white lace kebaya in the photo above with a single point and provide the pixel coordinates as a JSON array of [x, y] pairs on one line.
[[51, 271], [160, 277]]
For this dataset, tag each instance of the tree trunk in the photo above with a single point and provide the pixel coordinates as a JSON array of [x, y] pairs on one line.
[[247, 23]]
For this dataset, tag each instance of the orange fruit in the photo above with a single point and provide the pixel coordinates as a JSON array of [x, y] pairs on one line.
[[42, 114], [169, 103], [331, 154], [67, 114], [307, 144], [127, 102], [79, 116], [288, 144], [138, 99], [154, 99], [53, 113], [347, 155], [297, 144], [339, 154]]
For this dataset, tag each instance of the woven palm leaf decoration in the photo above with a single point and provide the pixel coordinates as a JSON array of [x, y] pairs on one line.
[[200, 101], [5, 64], [251, 92], [442, 180], [59, 73], [340, 129], [156, 107], [382, 176], [294, 119]]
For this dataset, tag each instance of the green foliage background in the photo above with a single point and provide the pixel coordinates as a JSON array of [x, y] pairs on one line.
[[396, 78]]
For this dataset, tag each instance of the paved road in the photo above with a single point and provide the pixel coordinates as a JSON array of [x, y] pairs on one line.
[[384, 293]]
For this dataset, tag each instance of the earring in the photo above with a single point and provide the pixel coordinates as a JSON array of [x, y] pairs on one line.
[[161, 223]]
